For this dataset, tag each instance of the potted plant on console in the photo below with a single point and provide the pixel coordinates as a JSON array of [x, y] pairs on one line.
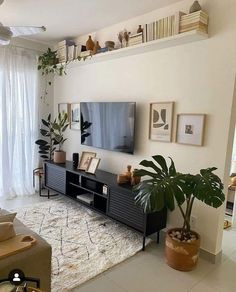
[[165, 187], [59, 126]]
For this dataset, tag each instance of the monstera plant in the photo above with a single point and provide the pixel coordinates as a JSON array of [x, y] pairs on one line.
[[164, 187]]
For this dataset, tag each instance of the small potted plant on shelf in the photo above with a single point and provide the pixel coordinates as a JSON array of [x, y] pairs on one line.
[[59, 126], [48, 63], [166, 188]]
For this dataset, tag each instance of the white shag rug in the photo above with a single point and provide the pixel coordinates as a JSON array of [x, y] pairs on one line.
[[84, 243]]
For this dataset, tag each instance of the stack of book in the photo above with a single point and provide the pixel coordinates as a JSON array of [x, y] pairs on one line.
[[162, 28], [86, 53], [62, 50], [136, 39], [194, 21]]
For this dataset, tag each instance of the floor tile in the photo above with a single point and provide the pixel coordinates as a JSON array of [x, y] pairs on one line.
[[99, 284]]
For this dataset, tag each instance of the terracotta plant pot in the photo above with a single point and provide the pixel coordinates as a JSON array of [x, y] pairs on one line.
[[59, 156], [182, 256]]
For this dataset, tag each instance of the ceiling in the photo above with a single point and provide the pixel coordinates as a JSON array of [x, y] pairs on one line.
[[71, 18]]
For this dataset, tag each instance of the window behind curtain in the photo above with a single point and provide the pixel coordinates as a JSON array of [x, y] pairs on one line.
[[18, 120]]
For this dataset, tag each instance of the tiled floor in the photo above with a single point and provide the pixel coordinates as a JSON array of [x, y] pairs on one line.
[[148, 272]]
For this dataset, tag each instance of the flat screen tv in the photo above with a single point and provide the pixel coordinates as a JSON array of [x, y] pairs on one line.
[[108, 125]]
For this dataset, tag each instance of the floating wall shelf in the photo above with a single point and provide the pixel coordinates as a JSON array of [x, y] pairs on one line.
[[173, 41]]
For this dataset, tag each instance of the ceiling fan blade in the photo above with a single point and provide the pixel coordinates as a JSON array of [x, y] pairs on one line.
[[1, 1], [26, 30]]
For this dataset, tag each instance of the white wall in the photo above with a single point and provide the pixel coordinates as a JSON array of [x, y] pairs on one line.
[[199, 77]]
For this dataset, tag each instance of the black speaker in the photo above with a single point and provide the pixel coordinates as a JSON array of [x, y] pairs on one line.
[[75, 159]]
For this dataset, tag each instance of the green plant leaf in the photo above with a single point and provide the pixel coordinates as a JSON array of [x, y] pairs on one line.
[[41, 142], [161, 161], [45, 123]]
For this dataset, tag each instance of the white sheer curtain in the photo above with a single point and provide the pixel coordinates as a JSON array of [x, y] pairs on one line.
[[18, 120]]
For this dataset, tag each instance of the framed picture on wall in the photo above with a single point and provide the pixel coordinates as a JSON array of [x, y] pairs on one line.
[[85, 160], [75, 116], [64, 108], [190, 129], [161, 119]]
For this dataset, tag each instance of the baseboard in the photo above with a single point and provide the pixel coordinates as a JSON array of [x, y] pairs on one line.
[[204, 254], [210, 257]]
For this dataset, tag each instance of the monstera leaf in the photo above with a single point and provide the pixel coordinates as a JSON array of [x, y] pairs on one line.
[[166, 188]]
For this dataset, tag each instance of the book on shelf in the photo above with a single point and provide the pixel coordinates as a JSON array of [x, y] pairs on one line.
[[87, 198], [194, 21], [177, 18], [62, 50], [62, 54], [71, 53], [86, 53]]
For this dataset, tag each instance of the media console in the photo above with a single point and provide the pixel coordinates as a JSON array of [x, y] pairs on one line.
[[100, 192]]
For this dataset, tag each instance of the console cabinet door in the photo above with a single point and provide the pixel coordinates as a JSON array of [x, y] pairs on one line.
[[121, 207], [55, 178]]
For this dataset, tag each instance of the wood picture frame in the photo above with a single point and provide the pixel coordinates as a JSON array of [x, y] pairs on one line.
[[64, 108], [161, 121], [93, 165], [75, 116], [190, 129], [85, 160]]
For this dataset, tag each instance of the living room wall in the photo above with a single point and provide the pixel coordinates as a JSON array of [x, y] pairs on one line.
[[199, 77]]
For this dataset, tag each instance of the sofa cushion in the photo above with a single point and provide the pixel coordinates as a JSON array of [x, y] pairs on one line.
[[7, 231], [6, 216]]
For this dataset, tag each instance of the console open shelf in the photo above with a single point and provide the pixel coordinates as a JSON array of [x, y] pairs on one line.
[[173, 41], [101, 193]]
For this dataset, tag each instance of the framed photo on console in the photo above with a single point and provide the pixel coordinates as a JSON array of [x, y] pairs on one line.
[[160, 127], [85, 160], [93, 165], [190, 129]]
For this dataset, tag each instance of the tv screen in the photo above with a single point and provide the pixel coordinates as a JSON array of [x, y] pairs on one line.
[[108, 125]]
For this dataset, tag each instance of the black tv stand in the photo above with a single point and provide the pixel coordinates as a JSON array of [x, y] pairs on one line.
[[101, 193]]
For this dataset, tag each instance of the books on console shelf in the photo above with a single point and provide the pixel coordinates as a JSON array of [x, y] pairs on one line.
[[87, 198], [62, 50]]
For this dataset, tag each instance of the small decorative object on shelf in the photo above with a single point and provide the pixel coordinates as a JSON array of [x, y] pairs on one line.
[[122, 179], [195, 7], [96, 48], [90, 44], [110, 45], [125, 178], [135, 179], [140, 29], [126, 37], [120, 38], [128, 172]]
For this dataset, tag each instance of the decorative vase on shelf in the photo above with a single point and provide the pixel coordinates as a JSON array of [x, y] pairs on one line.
[[140, 29], [96, 48], [195, 7], [90, 44]]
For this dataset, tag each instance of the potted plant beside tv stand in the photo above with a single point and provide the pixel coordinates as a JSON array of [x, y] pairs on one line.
[[116, 203]]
